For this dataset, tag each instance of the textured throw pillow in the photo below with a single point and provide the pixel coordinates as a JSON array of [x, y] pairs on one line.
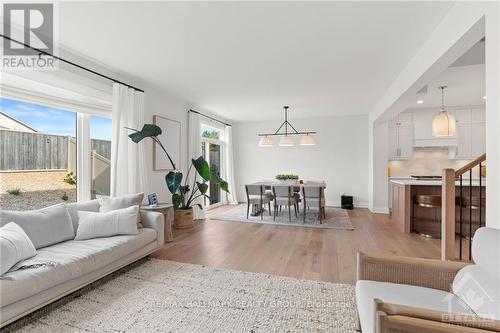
[[112, 203], [44, 227], [74, 207], [15, 246], [116, 222]]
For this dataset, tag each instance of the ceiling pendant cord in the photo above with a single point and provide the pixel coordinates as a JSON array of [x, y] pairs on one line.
[[443, 109], [286, 120]]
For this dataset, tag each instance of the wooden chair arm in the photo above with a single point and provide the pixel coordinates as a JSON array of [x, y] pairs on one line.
[[393, 317], [429, 273]]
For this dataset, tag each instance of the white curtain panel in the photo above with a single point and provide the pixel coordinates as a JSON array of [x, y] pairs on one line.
[[231, 196], [195, 152], [128, 159]]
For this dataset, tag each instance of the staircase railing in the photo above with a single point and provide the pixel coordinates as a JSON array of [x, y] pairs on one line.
[[448, 208]]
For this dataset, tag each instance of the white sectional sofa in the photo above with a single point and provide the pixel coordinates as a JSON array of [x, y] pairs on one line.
[[69, 265]]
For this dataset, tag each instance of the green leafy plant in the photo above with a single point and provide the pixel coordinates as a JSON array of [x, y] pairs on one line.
[[65, 197], [287, 177], [70, 178], [14, 191], [183, 194]]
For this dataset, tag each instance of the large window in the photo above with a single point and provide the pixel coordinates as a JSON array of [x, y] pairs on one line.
[[100, 139], [41, 155], [211, 148]]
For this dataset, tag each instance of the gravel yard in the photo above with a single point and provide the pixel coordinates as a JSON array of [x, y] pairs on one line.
[[38, 189]]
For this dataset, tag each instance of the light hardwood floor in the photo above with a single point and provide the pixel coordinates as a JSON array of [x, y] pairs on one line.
[[309, 253]]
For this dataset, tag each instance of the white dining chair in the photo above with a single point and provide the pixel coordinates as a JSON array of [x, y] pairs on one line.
[[314, 196], [285, 196], [257, 196]]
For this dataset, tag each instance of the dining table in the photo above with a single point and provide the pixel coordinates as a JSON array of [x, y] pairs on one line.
[[297, 187]]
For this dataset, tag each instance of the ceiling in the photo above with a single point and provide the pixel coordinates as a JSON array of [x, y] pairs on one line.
[[244, 60], [465, 80]]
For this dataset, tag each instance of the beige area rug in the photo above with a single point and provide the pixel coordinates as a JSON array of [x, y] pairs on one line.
[[164, 296], [336, 218]]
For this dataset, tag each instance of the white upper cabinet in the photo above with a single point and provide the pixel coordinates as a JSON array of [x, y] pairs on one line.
[[414, 129], [406, 119], [462, 116], [464, 142], [478, 139], [401, 137], [405, 136], [471, 128], [478, 116]]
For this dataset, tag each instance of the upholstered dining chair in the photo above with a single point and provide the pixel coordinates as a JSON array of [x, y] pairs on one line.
[[314, 196], [285, 196], [257, 196]]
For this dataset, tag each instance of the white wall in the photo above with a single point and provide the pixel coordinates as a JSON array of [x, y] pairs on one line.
[[340, 156], [378, 156], [168, 106]]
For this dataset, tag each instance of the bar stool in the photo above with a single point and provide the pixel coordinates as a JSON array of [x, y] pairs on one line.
[[425, 227], [467, 204]]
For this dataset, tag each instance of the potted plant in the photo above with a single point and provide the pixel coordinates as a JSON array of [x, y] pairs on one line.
[[288, 179], [183, 194]]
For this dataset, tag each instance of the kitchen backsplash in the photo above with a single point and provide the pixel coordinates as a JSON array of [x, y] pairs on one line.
[[427, 162]]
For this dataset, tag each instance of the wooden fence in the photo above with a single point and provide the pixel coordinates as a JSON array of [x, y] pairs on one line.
[[38, 151]]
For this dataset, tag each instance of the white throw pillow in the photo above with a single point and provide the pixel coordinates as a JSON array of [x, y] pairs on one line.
[[116, 222], [45, 226], [15, 246], [112, 203]]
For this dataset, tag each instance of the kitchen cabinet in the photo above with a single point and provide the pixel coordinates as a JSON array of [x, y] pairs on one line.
[[471, 133], [478, 116], [464, 142], [478, 139], [401, 206], [401, 137], [462, 116]]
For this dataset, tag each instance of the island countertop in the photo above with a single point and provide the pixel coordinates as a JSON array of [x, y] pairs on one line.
[[434, 182]]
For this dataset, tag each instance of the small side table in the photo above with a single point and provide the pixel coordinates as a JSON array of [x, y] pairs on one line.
[[168, 211]]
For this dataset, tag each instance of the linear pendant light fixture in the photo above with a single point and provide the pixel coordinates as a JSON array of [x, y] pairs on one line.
[[444, 123], [286, 137]]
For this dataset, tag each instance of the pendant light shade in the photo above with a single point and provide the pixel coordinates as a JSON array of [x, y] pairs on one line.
[[266, 142], [286, 141], [443, 124], [308, 140]]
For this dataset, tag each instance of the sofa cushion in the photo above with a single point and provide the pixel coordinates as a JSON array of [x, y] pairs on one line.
[[46, 226], [15, 246], [115, 222], [112, 203], [74, 207], [479, 289], [432, 299], [72, 259], [479, 285]]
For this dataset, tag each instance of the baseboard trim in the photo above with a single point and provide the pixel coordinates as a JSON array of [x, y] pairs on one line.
[[379, 210]]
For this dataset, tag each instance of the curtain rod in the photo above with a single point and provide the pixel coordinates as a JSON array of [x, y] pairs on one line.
[[70, 63], [204, 115]]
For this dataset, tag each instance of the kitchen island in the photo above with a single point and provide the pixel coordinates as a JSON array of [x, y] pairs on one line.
[[404, 190]]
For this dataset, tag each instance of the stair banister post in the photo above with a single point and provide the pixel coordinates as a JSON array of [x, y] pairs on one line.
[[448, 215]]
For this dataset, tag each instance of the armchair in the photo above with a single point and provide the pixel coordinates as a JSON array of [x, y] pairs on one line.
[[400, 294]]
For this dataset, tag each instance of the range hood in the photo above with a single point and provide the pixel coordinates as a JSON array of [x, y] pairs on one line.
[[436, 142]]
